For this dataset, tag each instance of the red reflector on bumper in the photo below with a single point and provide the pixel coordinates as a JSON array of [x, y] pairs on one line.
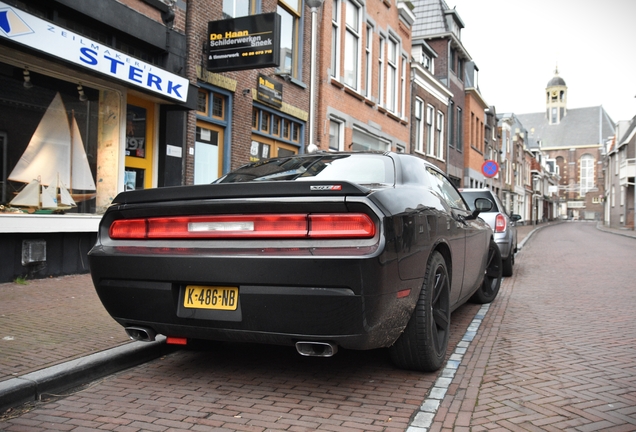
[[403, 293], [171, 340]]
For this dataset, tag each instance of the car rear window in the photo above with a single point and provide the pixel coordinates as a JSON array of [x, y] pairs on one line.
[[368, 170]]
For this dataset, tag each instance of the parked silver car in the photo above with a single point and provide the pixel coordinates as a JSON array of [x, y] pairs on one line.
[[502, 224]]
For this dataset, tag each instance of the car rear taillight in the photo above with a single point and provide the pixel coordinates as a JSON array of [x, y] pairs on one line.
[[500, 224], [280, 226], [129, 229], [341, 225]]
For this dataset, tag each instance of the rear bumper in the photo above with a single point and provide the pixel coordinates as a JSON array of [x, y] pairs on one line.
[[504, 242], [350, 301]]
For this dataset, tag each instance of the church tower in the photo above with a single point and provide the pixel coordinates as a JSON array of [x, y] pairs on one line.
[[556, 99]]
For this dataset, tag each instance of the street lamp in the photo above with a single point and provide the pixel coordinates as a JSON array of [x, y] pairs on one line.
[[314, 5]]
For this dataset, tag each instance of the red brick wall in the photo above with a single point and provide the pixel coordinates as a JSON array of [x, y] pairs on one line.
[[364, 109], [199, 13]]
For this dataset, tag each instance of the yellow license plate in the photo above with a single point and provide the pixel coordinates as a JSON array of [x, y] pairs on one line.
[[211, 297]]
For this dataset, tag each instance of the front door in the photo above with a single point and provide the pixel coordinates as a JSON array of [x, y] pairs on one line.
[[208, 152], [140, 126]]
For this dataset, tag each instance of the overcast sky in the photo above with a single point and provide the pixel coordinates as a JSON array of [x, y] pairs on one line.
[[517, 44]]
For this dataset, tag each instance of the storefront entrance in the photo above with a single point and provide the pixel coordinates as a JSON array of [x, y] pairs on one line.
[[208, 153], [140, 127]]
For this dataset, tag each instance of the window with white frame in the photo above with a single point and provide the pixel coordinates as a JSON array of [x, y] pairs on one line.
[[439, 125], [587, 173], [392, 75], [403, 87], [335, 141], [363, 141], [352, 44], [419, 126], [623, 193], [426, 61], [616, 159], [451, 124], [289, 12], [369, 61], [430, 120], [460, 130], [237, 8], [381, 93], [335, 38]]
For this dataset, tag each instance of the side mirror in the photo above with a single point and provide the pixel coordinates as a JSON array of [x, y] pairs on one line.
[[481, 205], [515, 217]]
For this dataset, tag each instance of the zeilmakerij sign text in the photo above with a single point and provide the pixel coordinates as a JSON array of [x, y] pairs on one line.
[[26, 29]]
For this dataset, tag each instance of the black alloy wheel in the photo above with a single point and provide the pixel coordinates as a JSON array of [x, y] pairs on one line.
[[492, 277], [422, 346], [508, 264]]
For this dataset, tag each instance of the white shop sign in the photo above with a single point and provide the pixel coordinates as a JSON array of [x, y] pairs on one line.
[[26, 29]]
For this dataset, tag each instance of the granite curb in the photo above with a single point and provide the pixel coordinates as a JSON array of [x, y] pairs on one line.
[[74, 373]]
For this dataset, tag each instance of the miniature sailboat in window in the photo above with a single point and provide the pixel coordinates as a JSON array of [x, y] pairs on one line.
[[54, 162]]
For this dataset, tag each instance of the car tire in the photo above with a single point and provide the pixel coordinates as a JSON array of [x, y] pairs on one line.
[[422, 346], [492, 277], [508, 264]]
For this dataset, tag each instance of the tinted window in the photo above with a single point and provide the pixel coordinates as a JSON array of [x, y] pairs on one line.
[[446, 190], [414, 170], [360, 169]]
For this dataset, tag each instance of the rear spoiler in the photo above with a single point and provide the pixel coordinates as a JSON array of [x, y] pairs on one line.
[[266, 189]]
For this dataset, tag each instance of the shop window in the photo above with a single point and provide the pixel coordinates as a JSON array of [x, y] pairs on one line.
[[259, 151], [263, 148], [53, 128], [273, 134], [271, 124]]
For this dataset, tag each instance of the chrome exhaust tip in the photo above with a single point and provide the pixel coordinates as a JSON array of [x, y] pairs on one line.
[[142, 334], [316, 349]]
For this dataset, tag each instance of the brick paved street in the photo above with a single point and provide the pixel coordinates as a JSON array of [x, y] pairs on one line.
[[557, 350]]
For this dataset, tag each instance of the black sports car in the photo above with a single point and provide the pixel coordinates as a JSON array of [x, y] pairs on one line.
[[320, 251]]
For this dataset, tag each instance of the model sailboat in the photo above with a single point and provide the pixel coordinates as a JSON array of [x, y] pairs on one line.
[[53, 162]]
